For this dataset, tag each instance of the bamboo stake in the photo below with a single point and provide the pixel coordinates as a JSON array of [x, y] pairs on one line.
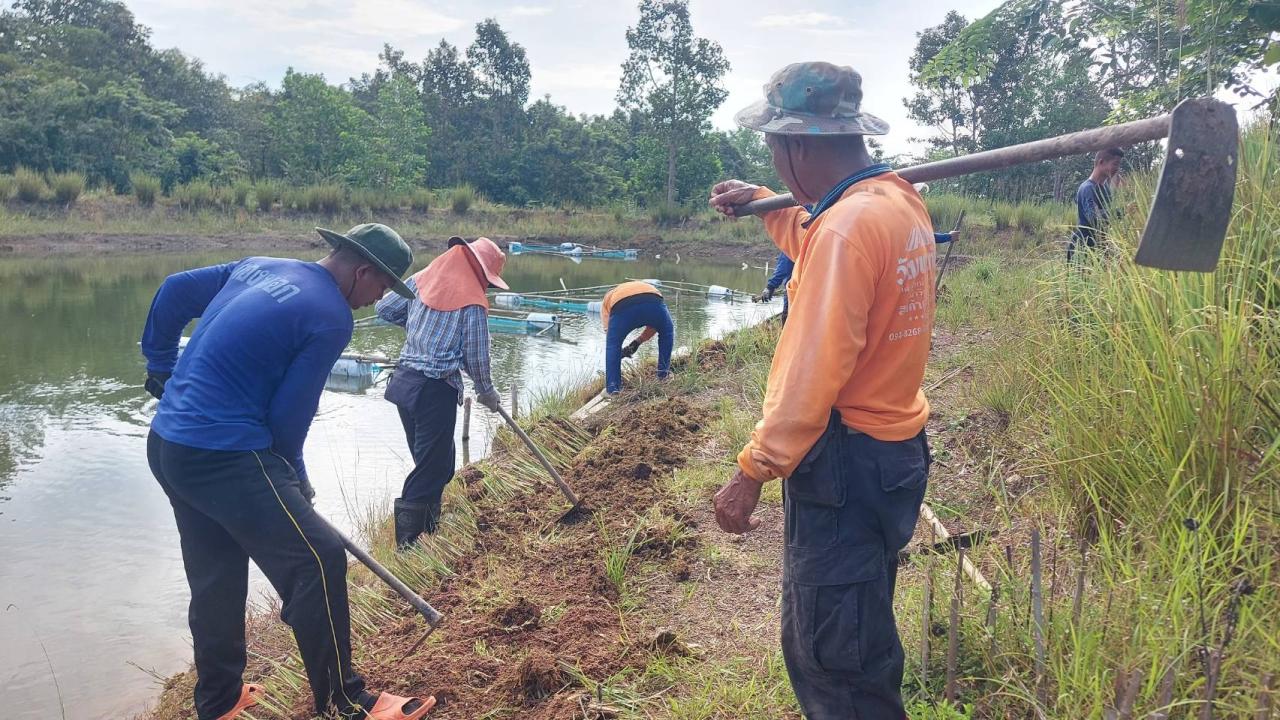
[[991, 621], [466, 420], [953, 630], [515, 401], [926, 619], [1126, 700], [1264, 698], [1164, 698], [1037, 609], [941, 534]]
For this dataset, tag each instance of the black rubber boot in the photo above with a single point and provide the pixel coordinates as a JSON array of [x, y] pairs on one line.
[[431, 522], [411, 521]]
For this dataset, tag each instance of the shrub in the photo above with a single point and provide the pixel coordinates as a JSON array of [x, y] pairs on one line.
[[945, 209], [30, 185], [420, 200], [293, 198], [266, 194], [6, 187], [1004, 214], [327, 198], [240, 193], [194, 195], [67, 187], [462, 198], [145, 188], [669, 214], [1031, 217]]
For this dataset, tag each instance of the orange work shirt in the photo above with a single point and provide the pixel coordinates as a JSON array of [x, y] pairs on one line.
[[622, 292], [858, 331]]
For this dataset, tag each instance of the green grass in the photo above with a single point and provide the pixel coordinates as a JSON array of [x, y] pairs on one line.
[[421, 200], [327, 199], [462, 198], [67, 187], [29, 185], [195, 195], [7, 185], [146, 188], [266, 194]]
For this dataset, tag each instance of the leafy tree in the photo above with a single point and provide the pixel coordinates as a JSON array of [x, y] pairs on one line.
[[744, 155], [673, 78], [318, 130], [499, 66], [396, 152], [943, 103]]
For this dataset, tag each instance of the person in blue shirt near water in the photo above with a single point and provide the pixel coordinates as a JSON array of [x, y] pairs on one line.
[[781, 276], [226, 447], [1092, 201]]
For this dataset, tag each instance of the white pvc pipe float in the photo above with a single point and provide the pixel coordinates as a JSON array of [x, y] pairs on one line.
[[655, 283], [719, 291], [507, 299], [595, 306], [542, 319]]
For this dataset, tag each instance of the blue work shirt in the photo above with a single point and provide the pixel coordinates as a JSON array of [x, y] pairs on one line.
[[251, 376], [781, 274], [1092, 200]]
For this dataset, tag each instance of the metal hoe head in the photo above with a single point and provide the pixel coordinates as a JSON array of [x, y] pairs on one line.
[[1192, 205]]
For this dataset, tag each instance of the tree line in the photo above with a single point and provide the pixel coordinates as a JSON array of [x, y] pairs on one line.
[[83, 89]]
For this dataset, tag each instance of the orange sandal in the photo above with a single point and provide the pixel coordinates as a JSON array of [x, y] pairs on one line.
[[391, 707], [249, 695]]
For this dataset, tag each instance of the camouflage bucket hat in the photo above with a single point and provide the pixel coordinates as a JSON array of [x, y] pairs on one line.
[[812, 98]]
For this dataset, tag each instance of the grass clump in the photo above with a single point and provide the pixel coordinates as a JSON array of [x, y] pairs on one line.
[[145, 188], [240, 192], [945, 209], [670, 214], [462, 198], [266, 194], [29, 185], [1004, 215], [1031, 217], [195, 195], [328, 198], [7, 184], [420, 200], [67, 187]]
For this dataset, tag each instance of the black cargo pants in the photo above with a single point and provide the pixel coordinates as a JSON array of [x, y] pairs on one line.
[[850, 507]]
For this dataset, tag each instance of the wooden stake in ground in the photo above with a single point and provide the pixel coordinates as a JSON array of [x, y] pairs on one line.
[[926, 620], [466, 420], [1164, 698], [953, 630], [1037, 609], [515, 401], [1079, 596], [1264, 698], [991, 621]]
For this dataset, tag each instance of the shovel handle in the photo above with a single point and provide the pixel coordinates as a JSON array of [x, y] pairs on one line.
[[430, 614], [564, 487], [1076, 143]]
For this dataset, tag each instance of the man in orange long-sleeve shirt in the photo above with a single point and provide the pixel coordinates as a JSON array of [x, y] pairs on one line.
[[844, 414]]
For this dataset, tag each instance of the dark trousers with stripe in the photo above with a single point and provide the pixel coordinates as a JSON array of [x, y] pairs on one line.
[[233, 506], [850, 507]]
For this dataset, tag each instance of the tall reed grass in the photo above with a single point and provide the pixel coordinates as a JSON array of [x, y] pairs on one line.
[[67, 187], [462, 198], [145, 188], [30, 185], [1159, 397], [7, 184]]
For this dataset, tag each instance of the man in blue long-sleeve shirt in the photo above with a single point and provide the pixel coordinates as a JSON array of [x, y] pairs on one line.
[[226, 447], [781, 276]]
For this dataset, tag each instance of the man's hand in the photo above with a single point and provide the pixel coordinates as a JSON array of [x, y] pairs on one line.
[[735, 502], [308, 492], [490, 400], [631, 348], [155, 383], [727, 195], [767, 295]]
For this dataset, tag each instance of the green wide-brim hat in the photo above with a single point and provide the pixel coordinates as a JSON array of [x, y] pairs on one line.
[[381, 246], [812, 98]]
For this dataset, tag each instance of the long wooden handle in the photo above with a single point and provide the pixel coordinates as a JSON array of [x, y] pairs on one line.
[[564, 487], [432, 616], [1077, 143]]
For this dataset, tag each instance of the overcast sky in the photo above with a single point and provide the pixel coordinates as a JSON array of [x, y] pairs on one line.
[[575, 48]]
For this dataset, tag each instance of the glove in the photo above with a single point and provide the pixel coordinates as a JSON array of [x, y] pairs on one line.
[[155, 383], [631, 348], [490, 399], [767, 295]]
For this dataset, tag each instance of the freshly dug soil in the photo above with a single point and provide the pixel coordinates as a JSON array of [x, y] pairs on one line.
[[557, 608]]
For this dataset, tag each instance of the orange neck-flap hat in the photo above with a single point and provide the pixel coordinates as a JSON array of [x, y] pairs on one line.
[[461, 275]]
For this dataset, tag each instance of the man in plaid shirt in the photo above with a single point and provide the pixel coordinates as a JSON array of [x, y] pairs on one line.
[[447, 327]]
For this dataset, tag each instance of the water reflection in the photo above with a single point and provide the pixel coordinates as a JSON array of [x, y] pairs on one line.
[[91, 564]]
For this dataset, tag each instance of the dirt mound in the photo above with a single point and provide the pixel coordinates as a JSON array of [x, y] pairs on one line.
[[538, 677], [521, 615], [555, 604]]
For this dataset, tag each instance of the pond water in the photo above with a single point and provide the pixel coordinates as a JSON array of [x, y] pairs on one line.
[[92, 592]]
